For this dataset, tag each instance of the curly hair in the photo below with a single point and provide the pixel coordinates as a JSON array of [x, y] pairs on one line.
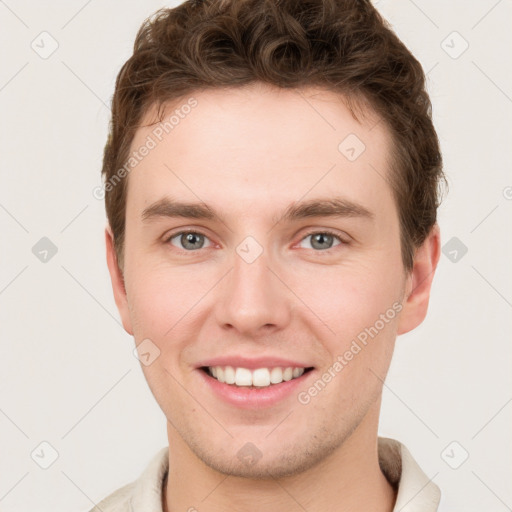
[[343, 46]]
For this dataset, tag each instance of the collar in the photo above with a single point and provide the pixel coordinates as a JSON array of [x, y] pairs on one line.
[[416, 492]]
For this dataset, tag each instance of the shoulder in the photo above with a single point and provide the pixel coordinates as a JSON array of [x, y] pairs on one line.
[[118, 501], [144, 493]]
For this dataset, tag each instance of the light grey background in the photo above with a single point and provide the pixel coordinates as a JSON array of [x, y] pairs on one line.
[[68, 375]]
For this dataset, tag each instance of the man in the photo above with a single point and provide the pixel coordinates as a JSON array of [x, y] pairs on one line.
[[271, 182]]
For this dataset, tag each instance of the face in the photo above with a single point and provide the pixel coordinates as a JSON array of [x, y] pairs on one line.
[[255, 240]]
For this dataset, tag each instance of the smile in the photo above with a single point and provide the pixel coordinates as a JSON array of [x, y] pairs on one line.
[[260, 377]]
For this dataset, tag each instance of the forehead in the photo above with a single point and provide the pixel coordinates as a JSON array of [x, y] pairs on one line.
[[259, 143]]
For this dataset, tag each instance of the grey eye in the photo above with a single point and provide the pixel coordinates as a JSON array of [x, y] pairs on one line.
[[189, 241], [322, 241]]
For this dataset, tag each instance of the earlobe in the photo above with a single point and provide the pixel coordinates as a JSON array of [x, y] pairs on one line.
[[419, 282], [117, 280]]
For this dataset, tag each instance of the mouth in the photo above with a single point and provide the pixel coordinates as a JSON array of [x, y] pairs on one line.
[[259, 378]]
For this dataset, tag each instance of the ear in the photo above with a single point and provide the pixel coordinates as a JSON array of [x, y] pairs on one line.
[[116, 276], [419, 282]]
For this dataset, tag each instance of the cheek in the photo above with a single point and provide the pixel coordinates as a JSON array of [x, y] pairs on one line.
[[347, 300], [164, 301], [362, 311], [154, 304], [162, 307]]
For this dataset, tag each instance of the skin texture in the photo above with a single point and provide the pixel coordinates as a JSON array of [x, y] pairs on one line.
[[248, 154]]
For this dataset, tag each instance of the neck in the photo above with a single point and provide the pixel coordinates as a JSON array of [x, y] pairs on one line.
[[350, 479]]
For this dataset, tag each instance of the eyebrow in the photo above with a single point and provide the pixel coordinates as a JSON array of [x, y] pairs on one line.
[[323, 207]]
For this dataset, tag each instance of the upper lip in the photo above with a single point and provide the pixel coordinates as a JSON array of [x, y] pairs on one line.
[[252, 363]]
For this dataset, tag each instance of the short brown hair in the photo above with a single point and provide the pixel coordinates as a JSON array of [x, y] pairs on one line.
[[343, 46]]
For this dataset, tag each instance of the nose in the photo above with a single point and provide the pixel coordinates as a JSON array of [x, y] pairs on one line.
[[253, 299]]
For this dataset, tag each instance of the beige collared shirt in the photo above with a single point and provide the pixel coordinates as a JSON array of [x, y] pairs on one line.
[[416, 492]]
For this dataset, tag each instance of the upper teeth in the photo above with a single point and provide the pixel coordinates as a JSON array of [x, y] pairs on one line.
[[261, 377]]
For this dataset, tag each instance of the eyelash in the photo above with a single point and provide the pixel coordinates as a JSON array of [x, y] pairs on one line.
[[322, 232]]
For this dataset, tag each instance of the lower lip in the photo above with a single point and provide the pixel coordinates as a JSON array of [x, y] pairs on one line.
[[251, 397]]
